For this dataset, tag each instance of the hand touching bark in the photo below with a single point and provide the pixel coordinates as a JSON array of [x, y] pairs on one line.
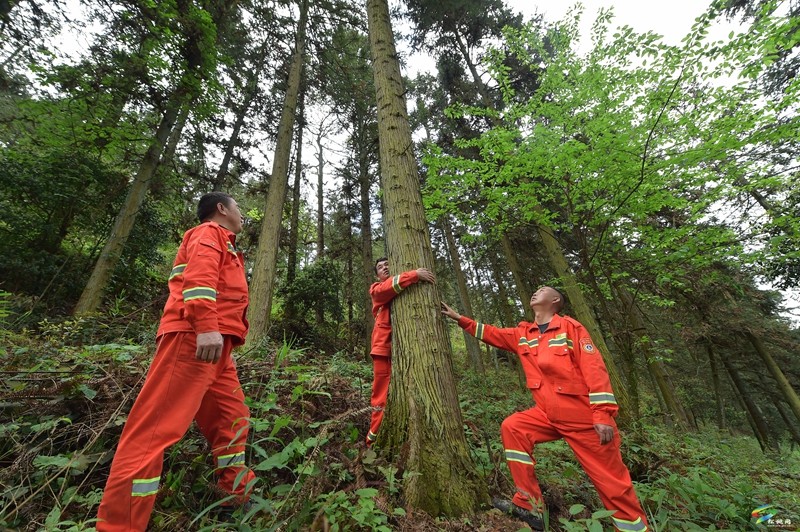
[[426, 276]]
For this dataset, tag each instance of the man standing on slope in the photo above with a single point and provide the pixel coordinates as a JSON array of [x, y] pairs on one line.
[[192, 376], [382, 294], [574, 401]]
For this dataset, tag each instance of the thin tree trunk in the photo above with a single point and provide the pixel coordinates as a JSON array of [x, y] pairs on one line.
[[655, 367], [294, 226], [368, 268], [473, 349], [266, 261], [320, 215], [507, 318], [423, 415], [524, 291], [717, 385], [92, 294], [787, 419], [784, 386], [759, 424]]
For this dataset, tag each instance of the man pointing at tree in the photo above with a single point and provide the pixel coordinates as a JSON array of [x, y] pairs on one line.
[[574, 401]]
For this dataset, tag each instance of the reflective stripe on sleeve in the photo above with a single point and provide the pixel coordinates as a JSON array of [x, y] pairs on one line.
[[396, 284], [177, 270], [200, 292], [479, 330], [142, 487], [601, 398]]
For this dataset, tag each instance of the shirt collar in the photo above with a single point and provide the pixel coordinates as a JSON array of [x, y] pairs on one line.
[[555, 323]]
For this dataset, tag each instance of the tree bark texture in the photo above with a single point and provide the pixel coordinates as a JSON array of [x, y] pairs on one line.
[[368, 267], [423, 417], [266, 260]]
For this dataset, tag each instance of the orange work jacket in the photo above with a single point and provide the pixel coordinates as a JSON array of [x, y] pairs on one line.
[[207, 286], [563, 368], [382, 294]]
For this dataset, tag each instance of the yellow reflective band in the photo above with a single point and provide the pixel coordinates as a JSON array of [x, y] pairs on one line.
[[230, 460], [396, 284], [534, 342], [518, 456], [177, 270], [479, 330], [200, 292], [371, 436], [559, 342], [142, 487], [634, 526], [602, 398]]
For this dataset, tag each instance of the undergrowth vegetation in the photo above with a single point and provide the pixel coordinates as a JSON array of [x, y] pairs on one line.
[[63, 403]]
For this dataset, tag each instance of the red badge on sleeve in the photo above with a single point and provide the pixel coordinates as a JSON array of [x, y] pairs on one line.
[[587, 346]]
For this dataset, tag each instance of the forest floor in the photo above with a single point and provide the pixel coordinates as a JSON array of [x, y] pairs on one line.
[[65, 392]]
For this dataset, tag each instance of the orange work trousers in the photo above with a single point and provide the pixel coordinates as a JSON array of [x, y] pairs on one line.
[[602, 463], [381, 373], [178, 389]]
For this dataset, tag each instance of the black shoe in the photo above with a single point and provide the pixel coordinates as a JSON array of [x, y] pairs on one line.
[[231, 513], [526, 516]]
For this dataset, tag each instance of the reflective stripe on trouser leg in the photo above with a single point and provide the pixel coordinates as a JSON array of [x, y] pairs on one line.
[[223, 418], [382, 371], [520, 432], [143, 487], [161, 415], [604, 467]]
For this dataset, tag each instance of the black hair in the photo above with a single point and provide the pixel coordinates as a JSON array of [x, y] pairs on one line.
[[563, 300], [207, 205], [378, 262]]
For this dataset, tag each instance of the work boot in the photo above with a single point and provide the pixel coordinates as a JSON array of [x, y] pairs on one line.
[[526, 516]]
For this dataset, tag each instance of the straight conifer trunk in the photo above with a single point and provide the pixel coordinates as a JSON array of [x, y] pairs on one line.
[[423, 418], [473, 349], [266, 260], [785, 387], [92, 294]]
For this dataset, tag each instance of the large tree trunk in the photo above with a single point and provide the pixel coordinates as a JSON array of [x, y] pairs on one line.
[[92, 294], [266, 261], [584, 314], [756, 418], [784, 386], [473, 349], [423, 414]]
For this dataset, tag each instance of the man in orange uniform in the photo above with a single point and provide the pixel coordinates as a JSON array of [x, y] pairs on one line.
[[382, 294], [192, 376], [574, 401]]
